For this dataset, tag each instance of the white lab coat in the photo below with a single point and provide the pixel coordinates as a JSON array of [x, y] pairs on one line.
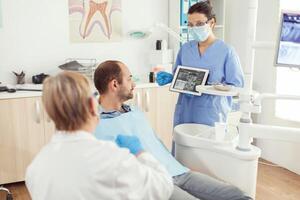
[[77, 166]]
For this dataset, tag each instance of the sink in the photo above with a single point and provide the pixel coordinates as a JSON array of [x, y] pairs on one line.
[[197, 149], [200, 135]]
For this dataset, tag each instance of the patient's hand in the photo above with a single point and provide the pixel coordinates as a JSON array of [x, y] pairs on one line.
[[130, 142]]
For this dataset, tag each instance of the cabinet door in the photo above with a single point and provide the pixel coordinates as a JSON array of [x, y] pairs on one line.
[[22, 136], [137, 99], [49, 127], [145, 100], [158, 104], [166, 102], [150, 105]]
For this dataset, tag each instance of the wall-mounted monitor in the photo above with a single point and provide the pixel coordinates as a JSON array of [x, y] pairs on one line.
[[288, 43]]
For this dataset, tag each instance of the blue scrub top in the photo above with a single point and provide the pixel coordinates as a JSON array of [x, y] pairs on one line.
[[224, 67]]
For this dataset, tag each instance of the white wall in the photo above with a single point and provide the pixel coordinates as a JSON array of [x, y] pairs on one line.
[[264, 74], [35, 37], [174, 24], [282, 153], [264, 70]]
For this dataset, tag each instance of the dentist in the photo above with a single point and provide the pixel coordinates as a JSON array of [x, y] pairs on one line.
[[75, 165]]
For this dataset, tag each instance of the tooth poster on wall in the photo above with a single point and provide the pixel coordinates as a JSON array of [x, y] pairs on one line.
[[95, 20]]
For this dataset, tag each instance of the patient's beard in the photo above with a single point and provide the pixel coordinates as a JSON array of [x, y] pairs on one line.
[[124, 96]]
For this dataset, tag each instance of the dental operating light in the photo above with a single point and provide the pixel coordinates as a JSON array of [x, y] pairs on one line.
[[142, 34]]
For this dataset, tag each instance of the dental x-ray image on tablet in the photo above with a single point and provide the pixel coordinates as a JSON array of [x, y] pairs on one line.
[[187, 78], [288, 47]]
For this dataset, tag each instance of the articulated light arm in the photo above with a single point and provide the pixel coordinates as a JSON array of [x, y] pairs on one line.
[[251, 103], [263, 96], [249, 130], [142, 34], [170, 31]]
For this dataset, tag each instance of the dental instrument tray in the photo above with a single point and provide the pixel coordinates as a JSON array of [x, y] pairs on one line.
[[186, 79], [218, 90]]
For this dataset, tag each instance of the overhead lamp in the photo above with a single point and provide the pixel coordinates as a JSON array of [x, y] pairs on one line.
[[142, 34]]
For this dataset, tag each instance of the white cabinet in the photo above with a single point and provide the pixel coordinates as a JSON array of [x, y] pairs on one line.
[[25, 127], [49, 127], [145, 100], [158, 104], [22, 135], [166, 102]]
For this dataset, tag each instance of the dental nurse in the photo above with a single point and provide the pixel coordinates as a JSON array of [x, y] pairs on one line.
[[206, 52]]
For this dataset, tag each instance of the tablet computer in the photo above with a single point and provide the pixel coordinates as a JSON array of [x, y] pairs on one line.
[[186, 79]]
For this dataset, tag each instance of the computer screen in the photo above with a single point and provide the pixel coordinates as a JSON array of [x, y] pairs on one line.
[[288, 43], [186, 79]]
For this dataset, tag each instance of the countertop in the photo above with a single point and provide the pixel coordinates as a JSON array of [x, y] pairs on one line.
[[24, 94]]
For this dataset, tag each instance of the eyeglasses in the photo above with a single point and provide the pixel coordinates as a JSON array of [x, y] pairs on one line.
[[197, 24]]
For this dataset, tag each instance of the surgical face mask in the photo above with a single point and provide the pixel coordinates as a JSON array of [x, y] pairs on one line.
[[200, 33]]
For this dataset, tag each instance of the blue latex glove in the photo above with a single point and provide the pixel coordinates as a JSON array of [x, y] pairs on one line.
[[130, 142], [163, 78]]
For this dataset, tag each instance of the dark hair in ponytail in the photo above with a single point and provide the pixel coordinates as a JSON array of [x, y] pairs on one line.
[[203, 7]]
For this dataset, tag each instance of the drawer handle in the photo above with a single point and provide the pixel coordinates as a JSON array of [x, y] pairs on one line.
[[147, 97], [48, 118], [38, 111], [139, 101]]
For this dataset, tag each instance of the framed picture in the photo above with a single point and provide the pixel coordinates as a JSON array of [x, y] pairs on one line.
[[187, 78]]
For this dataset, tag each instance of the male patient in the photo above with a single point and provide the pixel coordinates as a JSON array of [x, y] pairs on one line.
[[113, 81]]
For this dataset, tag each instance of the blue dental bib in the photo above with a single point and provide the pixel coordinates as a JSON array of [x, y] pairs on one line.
[[135, 123]]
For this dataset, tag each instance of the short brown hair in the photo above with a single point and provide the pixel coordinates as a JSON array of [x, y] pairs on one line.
[[106, 72], [66, 98], [203, 7]]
